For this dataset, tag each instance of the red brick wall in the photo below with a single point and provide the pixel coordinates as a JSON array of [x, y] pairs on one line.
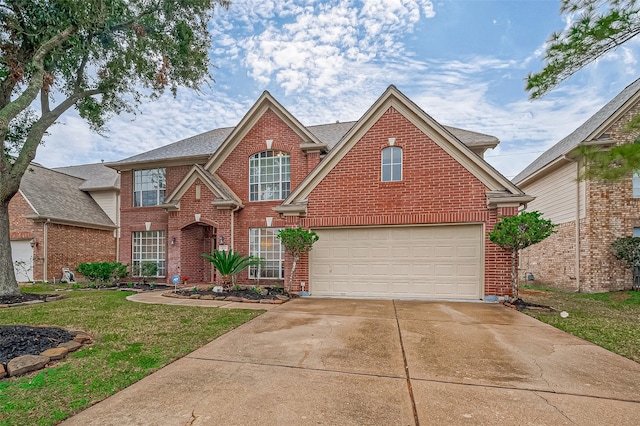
[[68, 246], [235, 172], [20, 227], [191, 238]]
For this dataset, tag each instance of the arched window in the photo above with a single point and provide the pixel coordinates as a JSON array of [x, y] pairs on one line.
[[392, 164], [269, 176]]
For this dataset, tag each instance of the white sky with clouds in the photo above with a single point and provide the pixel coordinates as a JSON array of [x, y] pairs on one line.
[[462, 61]]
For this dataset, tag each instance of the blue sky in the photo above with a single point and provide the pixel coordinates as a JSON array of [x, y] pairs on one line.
[[463, 62]]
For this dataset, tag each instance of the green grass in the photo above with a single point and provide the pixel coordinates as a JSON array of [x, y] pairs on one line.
[[131, 340], [610, 320]]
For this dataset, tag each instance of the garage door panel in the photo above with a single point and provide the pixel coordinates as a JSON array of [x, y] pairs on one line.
[[414, 261]]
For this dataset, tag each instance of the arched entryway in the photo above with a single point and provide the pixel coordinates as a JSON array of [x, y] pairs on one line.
[[197, 238]]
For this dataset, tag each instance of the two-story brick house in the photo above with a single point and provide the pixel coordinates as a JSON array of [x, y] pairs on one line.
[[402, 204], [591, 214]]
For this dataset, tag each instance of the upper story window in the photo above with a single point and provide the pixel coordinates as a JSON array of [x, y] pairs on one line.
[[636, 184], [392, 164], [148, 187], [269, 176]]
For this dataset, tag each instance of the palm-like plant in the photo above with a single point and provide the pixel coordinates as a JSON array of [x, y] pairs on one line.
[[230, 263]]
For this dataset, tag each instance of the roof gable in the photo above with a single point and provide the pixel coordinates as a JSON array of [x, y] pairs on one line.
[[225, 197], [264, 103], [589, 131], [393, 98]]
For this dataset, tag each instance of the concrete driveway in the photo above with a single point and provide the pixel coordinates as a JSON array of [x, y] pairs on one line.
[[380, 362]]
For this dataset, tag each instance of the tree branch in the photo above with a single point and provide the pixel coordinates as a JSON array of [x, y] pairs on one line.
[[12, 109]]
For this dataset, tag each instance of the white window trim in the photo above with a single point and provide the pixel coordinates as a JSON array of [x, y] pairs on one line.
[[280, 260], [160, 191], [160, 251], [281, 194], [391, 164]]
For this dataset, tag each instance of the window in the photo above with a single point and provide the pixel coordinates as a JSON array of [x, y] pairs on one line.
[[269, 176], [263, 243], [636, 184], [636, 232], [149, 187], [392, 164], [149, 247]]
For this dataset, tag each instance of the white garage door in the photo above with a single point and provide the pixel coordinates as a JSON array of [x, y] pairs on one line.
[[22, 255], [441, 262]]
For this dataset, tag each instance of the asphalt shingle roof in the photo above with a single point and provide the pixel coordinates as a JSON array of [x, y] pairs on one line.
[[96, 176], [581, 133], [57, 195], [208, 142]]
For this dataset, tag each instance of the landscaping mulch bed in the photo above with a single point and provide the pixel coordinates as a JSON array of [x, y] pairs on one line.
[[247, 293], [520, 305], [18, 340], [26, 297]]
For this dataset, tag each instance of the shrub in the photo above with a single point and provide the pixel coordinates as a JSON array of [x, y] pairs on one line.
[[103, 272], [230, 263]]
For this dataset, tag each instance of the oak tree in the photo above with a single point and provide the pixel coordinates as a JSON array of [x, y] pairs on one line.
[[101, 57]]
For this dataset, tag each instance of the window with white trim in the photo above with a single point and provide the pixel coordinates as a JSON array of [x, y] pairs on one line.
[[636, 184], [264, 243], [148, 246], [392, 164], [149, 187], [269, 176]]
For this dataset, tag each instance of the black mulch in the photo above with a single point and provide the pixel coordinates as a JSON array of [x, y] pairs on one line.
[[18, 340], [23, 297], [266, 293], [520, 304]]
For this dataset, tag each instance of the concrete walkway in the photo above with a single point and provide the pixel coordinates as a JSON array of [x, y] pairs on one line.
[[379, 362]]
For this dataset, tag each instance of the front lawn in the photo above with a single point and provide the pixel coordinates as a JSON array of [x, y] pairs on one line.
[[610, 320], [131, 340]]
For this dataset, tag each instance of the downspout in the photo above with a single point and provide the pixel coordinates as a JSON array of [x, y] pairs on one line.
[[577, 231], [118, 227], [578, 284], [45, 254]]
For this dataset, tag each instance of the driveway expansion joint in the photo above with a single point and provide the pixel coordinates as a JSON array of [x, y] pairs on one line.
[[406, 368]]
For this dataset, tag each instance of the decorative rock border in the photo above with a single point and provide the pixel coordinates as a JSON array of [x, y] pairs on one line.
[[279, 299], [27, 363]]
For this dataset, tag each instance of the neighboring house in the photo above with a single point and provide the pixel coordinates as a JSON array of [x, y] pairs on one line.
[[591, 214], [402, 204], [62, 217]]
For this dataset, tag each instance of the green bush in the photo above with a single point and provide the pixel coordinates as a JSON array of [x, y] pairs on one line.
[[103, 272]]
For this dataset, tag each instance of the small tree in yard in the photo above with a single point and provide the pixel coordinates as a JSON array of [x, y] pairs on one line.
[[628, 250], [518, 232], [296, 241]]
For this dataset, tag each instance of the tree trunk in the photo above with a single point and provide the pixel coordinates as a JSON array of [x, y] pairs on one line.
[[293, 269], [8, 283], [514, 275]]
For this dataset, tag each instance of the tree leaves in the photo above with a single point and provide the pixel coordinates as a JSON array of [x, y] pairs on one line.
[[598, 30], [521, 231]]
